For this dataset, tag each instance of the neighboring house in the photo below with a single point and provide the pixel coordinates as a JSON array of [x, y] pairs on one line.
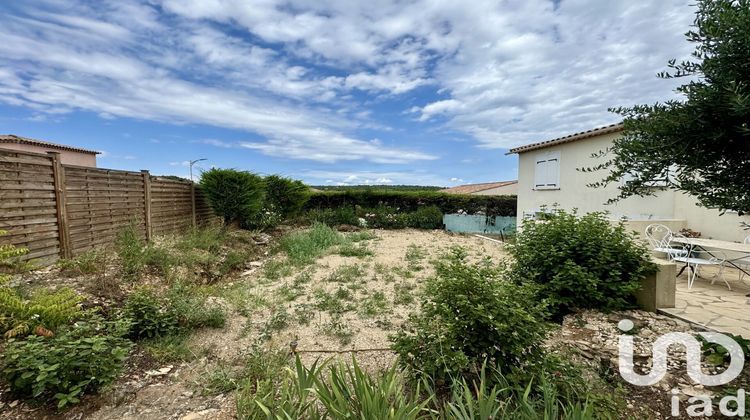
[[548, 174], [69, 155], [488, 188]]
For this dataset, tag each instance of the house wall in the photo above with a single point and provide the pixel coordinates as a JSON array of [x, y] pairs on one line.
[[674, 209], [511, 189], [67, 157]]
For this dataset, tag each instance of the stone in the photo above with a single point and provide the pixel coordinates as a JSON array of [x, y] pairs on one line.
[[160, 372]]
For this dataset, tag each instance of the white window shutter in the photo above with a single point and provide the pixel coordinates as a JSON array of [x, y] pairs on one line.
[[553, 172], [540, 173]]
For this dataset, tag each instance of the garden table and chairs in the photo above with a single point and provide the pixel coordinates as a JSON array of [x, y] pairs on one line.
[[699, 252]]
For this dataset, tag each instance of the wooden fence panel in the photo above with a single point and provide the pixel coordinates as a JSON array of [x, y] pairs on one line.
[[27, 204], [59, 210], [101, 202]]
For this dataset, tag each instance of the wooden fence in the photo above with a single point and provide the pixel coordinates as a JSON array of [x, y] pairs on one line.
[[61, 211]]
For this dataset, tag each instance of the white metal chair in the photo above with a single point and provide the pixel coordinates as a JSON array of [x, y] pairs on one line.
[[694, 257], [659, 237], [744, 261]]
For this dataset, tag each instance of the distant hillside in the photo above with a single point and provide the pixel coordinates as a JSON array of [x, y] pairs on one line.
[[376, 187]]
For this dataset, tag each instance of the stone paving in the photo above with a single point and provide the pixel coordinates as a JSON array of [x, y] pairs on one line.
[[714, 306]]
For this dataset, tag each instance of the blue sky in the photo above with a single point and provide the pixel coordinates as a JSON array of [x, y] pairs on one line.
[[329, 91]]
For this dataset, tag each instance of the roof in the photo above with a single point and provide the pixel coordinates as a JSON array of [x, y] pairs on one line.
[[612, 128], [10, 138], [473, 188]]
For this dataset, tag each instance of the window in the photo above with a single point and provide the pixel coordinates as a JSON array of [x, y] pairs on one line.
[[547, 171]]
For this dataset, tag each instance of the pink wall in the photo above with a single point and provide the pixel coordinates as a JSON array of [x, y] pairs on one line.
[[67, 157]]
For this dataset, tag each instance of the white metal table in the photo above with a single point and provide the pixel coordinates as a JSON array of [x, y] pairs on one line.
[[708, 244]]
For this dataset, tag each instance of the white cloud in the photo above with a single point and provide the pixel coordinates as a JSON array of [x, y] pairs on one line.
[[504, 73], [416, 177]]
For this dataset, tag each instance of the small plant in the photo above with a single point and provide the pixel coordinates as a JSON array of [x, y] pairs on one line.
[[41, 314], [346, 274], [334, 217], [131, 250], [65, 367], [350, 250], [149, 315], [373, 305], [90, 262], [403, 293], [278, 320], [277, 269], [364, 235], [580, 262], [338, 329], [414, 257], [207, 239], [332, 303], [9, 255]]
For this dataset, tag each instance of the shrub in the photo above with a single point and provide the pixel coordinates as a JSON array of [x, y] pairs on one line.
[[236, 196], [385, 217], [41, 314], [470, 313], [580, 262], [429, 217], [78, 361], [178, 310], [149, 315], [286, 196]]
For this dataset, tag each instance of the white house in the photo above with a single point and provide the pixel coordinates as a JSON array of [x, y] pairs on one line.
[[548, 174]]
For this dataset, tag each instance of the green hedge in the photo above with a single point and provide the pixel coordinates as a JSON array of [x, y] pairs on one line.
[[408, 201]]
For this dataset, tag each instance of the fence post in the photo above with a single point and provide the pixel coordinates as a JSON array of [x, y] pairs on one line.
[[147, 202], [63, 230], [192, 199]]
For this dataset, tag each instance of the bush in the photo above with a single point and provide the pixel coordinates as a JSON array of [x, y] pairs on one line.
[[408, 201], [429, 217], [41, 314], [78, 361], [236, 196], [286, 196], [469, 314], [580, 262]]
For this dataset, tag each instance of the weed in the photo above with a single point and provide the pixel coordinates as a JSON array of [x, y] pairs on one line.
[[348, 249], [208, 239], [333, 303], [338, 329], [403, 293], [373, 305], [90, 262], [231, 262], [414, 257], [277, 269], [130, 248], [170, 348], [278, 320], [302, 278], [365, 235], [289, 292], [303, 247], [304, 313], [346, 274]]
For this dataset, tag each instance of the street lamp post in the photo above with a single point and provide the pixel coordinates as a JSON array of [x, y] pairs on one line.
[[192, 187]]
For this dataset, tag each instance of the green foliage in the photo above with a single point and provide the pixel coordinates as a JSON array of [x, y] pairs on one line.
[[470, 313], [409, 201], [304, 246], [350, 250], [77, 361], [152, 314], [41, 314], [8, 255], [208, 239], [236, 196], [428, 217], [580, 262], [698, 145], [334, 216], [287, 196], [90, 262], [131, 249]]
